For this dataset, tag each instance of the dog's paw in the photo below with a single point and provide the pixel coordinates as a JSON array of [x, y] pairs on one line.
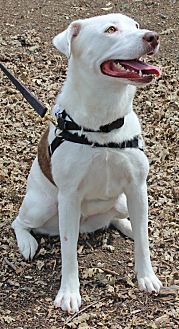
[[27, 244], [149, 282], [124, 226], [68, 301]]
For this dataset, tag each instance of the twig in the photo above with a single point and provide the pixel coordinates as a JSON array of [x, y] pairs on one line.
[[10, 264], [89, 245], [106, 270], [82, 310], [110, 272]]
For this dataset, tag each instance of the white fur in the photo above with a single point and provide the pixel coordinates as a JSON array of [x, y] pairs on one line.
[[95, 186]]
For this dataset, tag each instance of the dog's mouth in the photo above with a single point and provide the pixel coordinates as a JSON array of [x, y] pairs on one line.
[[133, 70]]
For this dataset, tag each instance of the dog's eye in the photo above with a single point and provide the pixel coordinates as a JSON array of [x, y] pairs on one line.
[[111, 29], [137, 25]]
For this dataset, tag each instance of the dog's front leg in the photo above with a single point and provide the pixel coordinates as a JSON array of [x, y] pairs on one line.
[[68, 297], [138, 211]]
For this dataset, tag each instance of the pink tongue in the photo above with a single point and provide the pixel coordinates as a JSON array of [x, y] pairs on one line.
[[141, 66]]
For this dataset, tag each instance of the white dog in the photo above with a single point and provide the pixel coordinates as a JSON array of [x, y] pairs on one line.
[[91, 170]]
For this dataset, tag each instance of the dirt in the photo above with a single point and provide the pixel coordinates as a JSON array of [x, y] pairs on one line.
[[110, 295]]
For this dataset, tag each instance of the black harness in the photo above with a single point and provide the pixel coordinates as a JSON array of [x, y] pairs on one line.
[[64, 134]]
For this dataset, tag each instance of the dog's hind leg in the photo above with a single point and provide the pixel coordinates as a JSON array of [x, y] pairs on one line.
[[33, 213], [36, 209], [51, 227], [120, 221], [26, 242], [116, 216], [96, 222], [124, 226]]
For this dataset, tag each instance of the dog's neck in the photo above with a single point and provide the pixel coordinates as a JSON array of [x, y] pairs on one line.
[[92, 101]]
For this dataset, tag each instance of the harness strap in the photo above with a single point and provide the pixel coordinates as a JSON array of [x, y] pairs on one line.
[[75, 138], [64, 124]]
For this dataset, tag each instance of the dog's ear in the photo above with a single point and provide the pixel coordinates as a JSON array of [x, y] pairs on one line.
[[64, 39]]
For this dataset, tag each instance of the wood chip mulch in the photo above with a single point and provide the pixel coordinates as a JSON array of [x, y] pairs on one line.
[[110, 295]]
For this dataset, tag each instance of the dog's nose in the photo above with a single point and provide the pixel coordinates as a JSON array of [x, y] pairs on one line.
[[152, 38]]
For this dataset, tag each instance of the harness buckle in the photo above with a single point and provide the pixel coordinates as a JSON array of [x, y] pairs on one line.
[[61, 123], [58, 132]]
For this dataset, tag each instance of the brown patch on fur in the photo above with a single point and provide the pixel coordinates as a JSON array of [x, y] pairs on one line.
[[44, 158]]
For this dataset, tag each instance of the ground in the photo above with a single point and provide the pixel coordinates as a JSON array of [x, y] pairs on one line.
[[110, 295]]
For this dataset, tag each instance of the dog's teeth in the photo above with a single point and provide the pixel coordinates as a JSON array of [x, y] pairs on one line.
[[140, 73], [118, 65]]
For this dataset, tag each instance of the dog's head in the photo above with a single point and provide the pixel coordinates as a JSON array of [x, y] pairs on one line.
[[112, 46]]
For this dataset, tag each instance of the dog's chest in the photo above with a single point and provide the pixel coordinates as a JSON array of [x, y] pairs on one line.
[[106, 176], [96, 173]]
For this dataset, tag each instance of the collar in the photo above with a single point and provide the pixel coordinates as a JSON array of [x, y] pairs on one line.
[[65, 122]]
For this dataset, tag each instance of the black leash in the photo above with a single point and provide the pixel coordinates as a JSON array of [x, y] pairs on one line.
[[32, 100]]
